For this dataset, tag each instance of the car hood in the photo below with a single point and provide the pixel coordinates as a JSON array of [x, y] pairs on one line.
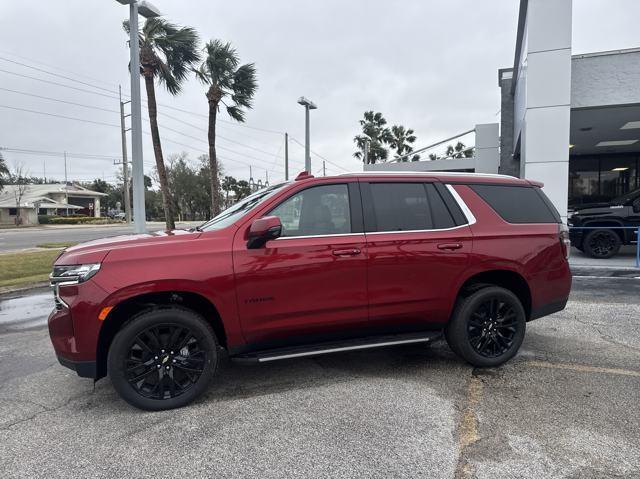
[[591, 206], [96, 250]]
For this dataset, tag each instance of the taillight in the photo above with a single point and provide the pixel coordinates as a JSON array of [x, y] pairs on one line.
[[565, 242]]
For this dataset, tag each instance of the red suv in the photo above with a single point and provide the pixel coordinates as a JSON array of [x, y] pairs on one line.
[[309, 267]]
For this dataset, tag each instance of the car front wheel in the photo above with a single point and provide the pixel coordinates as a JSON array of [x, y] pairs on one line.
[[163, 358], [487, 327]]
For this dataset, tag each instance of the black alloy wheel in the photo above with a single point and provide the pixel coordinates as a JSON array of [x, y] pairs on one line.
[[164, 361], [163, 358], [492, 327], [602, 244], [487, 326]]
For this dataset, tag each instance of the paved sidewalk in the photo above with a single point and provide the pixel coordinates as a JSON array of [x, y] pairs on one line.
[[625, 259]]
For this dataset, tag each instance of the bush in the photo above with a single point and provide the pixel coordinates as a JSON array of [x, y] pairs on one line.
[[74, 220]]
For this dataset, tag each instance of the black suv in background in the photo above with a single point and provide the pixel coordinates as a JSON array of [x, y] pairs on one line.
[[607, 220]]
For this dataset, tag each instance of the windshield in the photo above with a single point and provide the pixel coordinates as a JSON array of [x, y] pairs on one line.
[[235, 212], [624, 199]]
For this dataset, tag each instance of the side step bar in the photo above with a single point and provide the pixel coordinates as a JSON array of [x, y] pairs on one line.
[[338, 346]]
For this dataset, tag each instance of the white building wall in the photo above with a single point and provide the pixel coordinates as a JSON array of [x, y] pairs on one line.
[[543, 97]]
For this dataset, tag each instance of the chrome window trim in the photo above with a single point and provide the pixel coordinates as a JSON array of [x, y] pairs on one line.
[[434, 230], [471, 219], [317, 236]]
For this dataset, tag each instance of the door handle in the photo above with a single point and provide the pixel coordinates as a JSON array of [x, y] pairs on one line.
[[346, 252], [449, 246]]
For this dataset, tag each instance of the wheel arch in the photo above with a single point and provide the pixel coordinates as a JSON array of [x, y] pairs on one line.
[[124, 310], [507, 279]]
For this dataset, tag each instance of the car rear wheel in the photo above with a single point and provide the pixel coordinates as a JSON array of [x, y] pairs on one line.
[[487, 327], [163, 359], [601, 244]]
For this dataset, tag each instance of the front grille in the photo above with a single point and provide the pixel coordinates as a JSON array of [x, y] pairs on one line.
[[55, 282]]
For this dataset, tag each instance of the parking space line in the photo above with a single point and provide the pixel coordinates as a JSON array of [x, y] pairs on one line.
[[584, 369]]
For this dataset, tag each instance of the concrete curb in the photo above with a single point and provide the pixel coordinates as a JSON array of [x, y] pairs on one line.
[[18, 289]]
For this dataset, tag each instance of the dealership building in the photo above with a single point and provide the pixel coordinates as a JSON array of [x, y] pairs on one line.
[[570, 121]]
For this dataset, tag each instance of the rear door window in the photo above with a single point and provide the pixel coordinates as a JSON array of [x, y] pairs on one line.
[[401, 207], [518, 204]]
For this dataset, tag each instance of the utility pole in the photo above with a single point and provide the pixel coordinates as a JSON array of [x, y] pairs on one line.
[[286, 156], [324, 168], [44, 170], [139, 215], [125, 163], [266, 172], [66, 183]]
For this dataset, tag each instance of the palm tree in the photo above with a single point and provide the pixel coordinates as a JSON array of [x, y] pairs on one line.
[[401, 141], [228, 185], [459, 151], [232, 85], [167, 54], [376, 134]]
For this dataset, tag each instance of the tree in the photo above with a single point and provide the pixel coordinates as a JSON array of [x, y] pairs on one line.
[[242, 189], [4, 172], [167, 54], [226, 80], [401, 140], [21, 182], [228, 185], [457, 151], [376, 134]]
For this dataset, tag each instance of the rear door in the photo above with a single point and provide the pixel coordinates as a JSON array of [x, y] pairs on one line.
[[419, 244]]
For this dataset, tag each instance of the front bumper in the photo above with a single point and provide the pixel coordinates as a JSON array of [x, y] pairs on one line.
[[84, 369]]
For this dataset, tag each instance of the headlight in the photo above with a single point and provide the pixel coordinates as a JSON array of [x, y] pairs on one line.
[[75, 272]]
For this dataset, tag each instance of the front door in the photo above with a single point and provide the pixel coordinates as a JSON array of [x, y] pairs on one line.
[[418, 250], [309, 284]]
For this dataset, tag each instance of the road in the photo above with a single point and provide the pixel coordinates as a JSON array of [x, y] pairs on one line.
[[566, 407], [15, 240]]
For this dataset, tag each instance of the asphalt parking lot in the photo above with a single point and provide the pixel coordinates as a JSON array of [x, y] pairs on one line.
[[568, 406]]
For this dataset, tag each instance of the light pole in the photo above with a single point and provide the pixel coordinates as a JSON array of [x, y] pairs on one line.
[[137, 174], [308, 105]]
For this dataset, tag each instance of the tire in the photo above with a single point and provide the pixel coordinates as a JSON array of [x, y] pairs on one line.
[[484, 339], [163, 358], [601, 244]]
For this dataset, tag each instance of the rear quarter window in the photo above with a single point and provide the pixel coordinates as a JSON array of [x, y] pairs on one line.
[[518, 204]]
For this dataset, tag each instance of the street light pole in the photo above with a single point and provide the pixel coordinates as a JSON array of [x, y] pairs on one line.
[[125, 162], [147, 10], [308, 105], [137, 173]]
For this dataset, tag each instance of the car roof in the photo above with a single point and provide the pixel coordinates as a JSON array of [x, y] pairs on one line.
[[444, 176]]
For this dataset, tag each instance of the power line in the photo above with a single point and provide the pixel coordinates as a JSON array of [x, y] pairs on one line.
[[266, 130], [58, 84], [77, 74], [60, 153], [56, 74], [321, 157], [58, 100], [114, 111], [59, 116]]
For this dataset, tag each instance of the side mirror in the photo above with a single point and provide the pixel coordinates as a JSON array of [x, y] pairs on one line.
[[263, 230]]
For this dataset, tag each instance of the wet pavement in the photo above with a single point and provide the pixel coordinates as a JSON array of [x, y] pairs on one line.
[[25, 310], [565, 407]]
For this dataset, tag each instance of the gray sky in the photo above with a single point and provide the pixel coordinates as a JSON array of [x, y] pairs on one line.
[[429, 65]]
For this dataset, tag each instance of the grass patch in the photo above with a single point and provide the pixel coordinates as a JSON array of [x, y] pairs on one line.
[[20, 269], [56, 245]]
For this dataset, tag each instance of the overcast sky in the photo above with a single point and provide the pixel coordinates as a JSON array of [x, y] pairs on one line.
[[429, 65]]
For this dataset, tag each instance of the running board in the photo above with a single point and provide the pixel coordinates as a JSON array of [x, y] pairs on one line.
[[338, 346]]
